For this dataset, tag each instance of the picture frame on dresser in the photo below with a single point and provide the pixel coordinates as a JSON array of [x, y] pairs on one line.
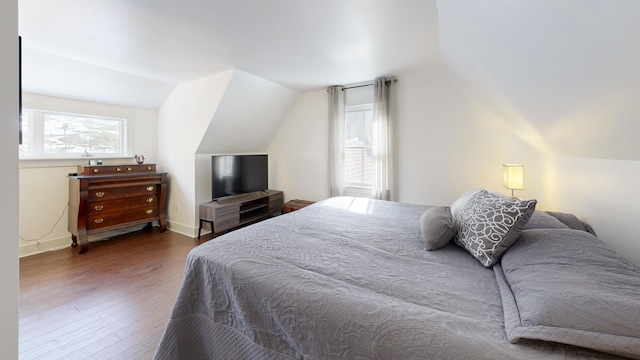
[[110, 197]]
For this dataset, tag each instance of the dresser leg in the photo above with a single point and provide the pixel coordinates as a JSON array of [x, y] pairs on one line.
[[83, 241]]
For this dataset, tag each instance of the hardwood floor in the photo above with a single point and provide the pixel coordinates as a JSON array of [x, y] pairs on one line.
[[111, 303]]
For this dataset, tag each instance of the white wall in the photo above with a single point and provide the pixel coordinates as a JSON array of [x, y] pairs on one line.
[[444, 143], [9, 179], [182, 123], [228, 112], [299, 153], [44, 187], [602, 193], [449, 140], [562, 77]]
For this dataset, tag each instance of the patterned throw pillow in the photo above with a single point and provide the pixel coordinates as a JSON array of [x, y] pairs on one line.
[[488, 225]]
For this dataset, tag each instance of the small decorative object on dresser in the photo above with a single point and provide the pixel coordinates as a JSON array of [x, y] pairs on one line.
[[139, 159], [296, 204], [108, 197]]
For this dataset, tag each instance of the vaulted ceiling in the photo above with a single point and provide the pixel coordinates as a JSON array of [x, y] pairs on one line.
[[75, 48], [563, 73]]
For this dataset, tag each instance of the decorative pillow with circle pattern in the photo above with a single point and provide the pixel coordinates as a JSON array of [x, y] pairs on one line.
[[488, 225]]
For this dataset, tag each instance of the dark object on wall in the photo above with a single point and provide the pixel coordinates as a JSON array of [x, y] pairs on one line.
[[238, 174], [20, 90]]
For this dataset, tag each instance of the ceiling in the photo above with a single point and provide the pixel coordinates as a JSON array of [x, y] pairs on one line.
[[140, 49]]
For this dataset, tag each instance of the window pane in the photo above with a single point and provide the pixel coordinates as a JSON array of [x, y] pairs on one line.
[[354, 128], [358, 142], [358, 128], [76, 134], [368, 128], [358, 166]]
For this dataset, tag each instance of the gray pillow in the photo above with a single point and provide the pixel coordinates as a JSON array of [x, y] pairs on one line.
[[567, 286], [488, 225], [457, 205], [436, 226], [542, 220]]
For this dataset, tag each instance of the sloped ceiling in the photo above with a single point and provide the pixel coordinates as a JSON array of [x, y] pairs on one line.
[[561, 74], [248, 116], [301, 45], [58, 76]]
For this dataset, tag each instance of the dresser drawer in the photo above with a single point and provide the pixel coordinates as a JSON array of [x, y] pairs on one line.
[[122, 204], [103, 202], [95, 170], [96, 221], [107, 193]]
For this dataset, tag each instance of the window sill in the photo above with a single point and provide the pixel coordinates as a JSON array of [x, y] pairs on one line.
[[28, 163], [359, 191]]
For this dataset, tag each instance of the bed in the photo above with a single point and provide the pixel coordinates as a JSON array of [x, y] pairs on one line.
[[350, 278]]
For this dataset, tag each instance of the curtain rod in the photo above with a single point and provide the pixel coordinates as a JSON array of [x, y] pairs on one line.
[[359, 86], [355, 87]]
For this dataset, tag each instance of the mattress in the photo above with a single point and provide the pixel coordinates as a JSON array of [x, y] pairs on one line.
[[349, 278]]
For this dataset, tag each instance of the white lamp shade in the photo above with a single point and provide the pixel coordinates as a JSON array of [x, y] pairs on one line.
[[513, 176]]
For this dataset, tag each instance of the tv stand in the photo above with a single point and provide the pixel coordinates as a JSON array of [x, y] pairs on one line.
[[234, 211], [236, 198]]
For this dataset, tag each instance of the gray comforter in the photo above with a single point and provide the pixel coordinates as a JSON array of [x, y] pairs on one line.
[[346, 278]]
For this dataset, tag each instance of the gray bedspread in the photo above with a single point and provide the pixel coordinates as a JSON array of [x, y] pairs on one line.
[[345, 278]]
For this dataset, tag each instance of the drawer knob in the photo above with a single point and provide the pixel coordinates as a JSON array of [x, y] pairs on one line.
[[98, 220], [99, 207], [149, 211], [149, 188], [148, 167], [99, 194], [96, 170], [129, 169], [118, 169], [149, 200]]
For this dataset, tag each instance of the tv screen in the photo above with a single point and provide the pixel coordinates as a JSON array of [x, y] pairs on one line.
[[238, 174]]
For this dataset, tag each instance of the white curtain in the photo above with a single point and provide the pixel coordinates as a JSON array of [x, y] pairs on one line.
[[382, 138], [336, 140]]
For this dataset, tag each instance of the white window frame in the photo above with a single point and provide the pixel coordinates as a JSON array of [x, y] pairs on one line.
[[358, 189], [45, 104]]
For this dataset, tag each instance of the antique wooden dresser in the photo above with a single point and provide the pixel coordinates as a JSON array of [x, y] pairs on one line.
[[108, 197]]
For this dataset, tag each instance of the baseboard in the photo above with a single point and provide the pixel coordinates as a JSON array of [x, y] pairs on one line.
[[65, 241], [44, 246], [185, 230]]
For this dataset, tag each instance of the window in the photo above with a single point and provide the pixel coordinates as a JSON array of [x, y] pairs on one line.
[[357, 175], [360, 140], [50, 134], [358, 146]]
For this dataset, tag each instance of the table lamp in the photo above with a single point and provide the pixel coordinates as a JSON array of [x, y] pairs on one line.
[[513, 177]]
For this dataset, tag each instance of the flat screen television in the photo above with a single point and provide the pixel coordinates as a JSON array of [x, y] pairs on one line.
[[238, 174]]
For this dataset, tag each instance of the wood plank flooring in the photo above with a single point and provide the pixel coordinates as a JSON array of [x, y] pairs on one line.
[[111, 303]]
